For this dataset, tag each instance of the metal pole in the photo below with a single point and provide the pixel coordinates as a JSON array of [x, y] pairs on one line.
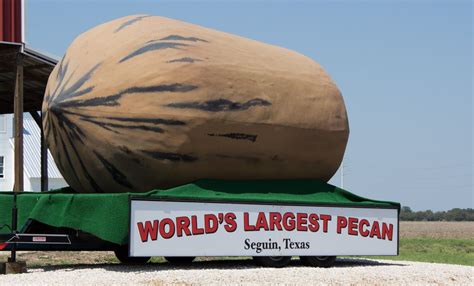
[[18, 117], [44, 160]]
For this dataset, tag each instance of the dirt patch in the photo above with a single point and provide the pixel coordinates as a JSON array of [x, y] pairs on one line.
[[55, 258], [437, 229]]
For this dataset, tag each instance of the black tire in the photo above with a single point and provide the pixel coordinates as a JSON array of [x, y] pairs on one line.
[[318, 261], [179, 260], [272, 261], [122, 255]]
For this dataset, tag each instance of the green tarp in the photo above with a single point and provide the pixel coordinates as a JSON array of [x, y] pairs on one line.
[[106, 215]]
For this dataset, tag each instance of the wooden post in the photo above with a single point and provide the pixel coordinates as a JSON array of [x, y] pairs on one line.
[[44, 152], [18, 117]]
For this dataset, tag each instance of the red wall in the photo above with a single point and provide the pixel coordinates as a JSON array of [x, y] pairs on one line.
[[10, 22]]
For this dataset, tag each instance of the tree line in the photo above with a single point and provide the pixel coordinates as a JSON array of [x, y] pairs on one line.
[[456, 214]]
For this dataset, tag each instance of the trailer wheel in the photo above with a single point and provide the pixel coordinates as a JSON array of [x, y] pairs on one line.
[[272, 261], [179, 259], [318, 261], [122, 255]]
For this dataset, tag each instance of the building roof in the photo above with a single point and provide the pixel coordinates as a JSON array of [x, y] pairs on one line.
[[32, 152], [36, 70]]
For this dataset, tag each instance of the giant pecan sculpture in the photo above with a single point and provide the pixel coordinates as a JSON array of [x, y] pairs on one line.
[[147, 102]]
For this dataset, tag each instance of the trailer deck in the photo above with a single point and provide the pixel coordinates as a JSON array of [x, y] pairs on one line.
[[100, 221]]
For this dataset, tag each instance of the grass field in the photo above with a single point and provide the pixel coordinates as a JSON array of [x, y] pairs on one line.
[[435, 250], [438, 242]]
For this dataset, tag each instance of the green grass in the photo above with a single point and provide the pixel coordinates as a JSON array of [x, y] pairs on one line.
[[436, 250]]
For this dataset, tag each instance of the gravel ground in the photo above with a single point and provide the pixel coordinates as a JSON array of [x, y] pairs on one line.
[[346, 271]]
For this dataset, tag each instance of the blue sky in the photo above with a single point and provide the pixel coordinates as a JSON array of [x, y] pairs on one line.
[[404, 68]]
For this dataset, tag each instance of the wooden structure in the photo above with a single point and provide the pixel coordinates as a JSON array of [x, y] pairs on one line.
[[23, 77]]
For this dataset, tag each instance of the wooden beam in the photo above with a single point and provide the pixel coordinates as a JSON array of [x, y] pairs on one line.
[[18, 118], [6, 69]]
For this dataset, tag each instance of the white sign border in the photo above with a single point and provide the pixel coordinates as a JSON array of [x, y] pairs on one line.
[[248, 202]]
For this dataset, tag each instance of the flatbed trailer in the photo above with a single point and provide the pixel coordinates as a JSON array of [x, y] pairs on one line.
[[269, 220]]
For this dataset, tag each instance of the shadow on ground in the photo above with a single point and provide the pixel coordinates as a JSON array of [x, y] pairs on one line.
[[206, 265]]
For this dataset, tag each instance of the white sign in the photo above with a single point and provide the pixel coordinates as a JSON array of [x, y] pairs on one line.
[[174, 228]]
